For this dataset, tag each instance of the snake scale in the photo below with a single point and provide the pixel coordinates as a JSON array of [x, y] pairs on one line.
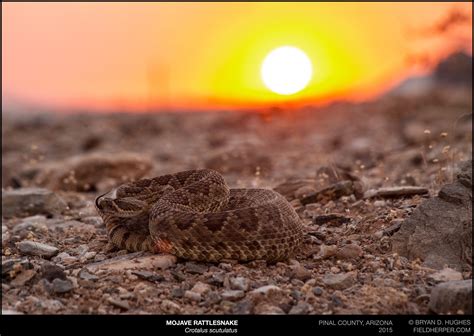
[[194, 215]]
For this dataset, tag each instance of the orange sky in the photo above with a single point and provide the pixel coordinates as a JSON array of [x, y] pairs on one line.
[[208, 55]]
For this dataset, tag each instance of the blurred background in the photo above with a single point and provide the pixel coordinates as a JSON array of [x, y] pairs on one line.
[[201, 56]]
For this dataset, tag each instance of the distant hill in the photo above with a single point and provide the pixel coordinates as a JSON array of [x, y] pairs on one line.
[[455, 70]]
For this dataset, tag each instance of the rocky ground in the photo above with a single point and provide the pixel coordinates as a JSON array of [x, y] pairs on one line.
[[384, 189]]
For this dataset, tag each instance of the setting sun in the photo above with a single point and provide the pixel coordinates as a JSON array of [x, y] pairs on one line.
[[286, 70]]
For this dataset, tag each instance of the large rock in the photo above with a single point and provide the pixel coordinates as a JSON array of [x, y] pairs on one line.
[[452, 297], [31, 201], [439, 231], [90, 172]]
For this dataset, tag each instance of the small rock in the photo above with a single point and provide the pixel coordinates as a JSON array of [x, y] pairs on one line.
[[33, 223], [300, 309], [318, 291], [446, 274], [243, 307], [149, 276], [178, 276], [51, 271], [452, 297], [31, 201], [327, 251], [194, 268], [379, 203], [135, 261], [350, 251], [38, 249], [339, 281], [123, 304], [193, 296], [239, 283], [64, 258], [232, 295], [396, 192], [301, 273], [61, 286], [8, 265], [216, 279], [85, 275], [201, 288], [268, 309], [332, 192], [266, 289], [177, 292], [331, 220], [22, 278], [170, 307], [225, 266]]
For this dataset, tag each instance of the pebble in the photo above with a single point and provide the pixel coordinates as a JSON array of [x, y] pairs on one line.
[[243, 307], [453, 297], [268, 309], [379, 203], [194, 268], [301, 273], [149, 276], [123, 304], [85, 275], [38, 249], [326, 251], [318, 291], [201, 288], [170, 307], [61, 286], [31, 201], [135, 261], [266, 289], [232, 295], [65, 258], [300, 309], [216, 279], [33, 223], [339, 281], [446, 274], [239, 283], [51, 271], [193, 296], [350, 251], [177, 292], [225, 266]]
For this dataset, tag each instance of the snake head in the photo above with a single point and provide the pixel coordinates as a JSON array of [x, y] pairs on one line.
[[108, 203]]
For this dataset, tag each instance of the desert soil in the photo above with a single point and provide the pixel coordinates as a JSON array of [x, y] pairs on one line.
[[353, 172]]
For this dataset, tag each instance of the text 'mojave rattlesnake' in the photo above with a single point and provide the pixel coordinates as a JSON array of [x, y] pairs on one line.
[[196, 216]]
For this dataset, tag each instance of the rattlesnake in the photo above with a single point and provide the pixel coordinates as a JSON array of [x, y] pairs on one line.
[[196, 216]]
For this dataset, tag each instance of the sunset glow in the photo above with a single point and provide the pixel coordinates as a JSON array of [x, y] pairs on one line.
[[286, 70], [209, 55]]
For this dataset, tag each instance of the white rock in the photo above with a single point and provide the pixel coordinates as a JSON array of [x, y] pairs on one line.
[[38, 249], [135, 261]]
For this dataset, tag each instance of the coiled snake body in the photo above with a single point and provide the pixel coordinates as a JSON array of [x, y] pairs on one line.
[[195, 216]]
